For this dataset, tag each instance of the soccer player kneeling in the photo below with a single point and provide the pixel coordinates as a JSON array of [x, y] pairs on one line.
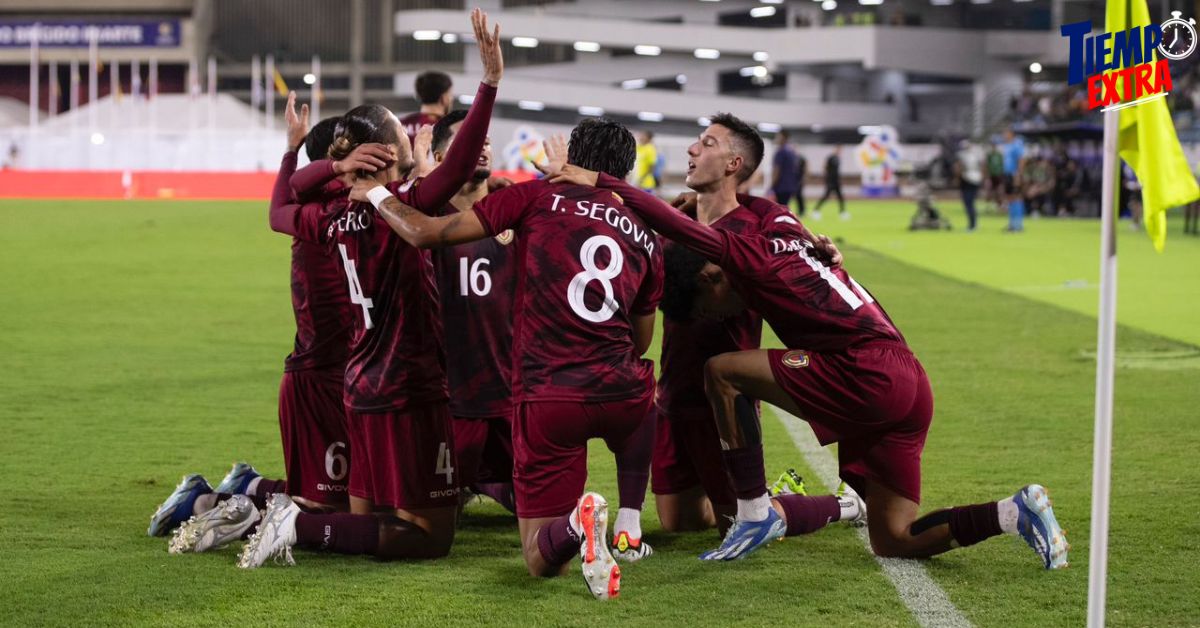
[[847, 371], [590, 282]]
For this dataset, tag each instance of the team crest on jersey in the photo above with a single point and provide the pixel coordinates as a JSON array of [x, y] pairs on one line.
[[795, 359], [505, 237]]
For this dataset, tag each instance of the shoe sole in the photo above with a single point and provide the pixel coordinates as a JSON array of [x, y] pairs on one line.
[[1037, 500], [600, 570], [160, 520]]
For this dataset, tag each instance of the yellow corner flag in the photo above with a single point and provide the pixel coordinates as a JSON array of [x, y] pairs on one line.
[[1148, 143], [280, 84]]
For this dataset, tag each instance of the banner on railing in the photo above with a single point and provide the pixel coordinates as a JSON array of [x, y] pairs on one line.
[[18, 33]]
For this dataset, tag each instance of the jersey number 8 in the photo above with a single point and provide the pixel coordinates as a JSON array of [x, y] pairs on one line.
[[579, 283]]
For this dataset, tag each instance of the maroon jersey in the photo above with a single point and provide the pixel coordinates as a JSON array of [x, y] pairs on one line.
[[589, 265], [477, 281], [414, 121], [687, 345], [320, 302], [397, 359], [809, 305]]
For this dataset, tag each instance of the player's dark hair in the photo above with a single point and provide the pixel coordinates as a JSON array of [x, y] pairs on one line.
[[681, 271], [746, 142], [430, 86], [316, 143], [360, 125], [441, 130], [602, 145]]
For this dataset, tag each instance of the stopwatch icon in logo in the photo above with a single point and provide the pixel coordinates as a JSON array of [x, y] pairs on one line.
[[1179, 37]]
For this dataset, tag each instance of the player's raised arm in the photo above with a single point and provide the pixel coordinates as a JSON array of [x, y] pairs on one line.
[[661, 217], [281, 214], [415, 227], [445, 181]]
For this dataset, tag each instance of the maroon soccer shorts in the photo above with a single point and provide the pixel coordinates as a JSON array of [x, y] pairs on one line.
[[873, 400], [687, 453], [316, 452], [550, 448], [484, 449], [404, 459]]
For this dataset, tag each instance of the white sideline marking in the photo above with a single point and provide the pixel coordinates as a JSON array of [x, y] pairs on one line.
[[923, 597]]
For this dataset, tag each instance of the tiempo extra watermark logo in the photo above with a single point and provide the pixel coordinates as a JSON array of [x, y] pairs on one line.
[[1119, 68]]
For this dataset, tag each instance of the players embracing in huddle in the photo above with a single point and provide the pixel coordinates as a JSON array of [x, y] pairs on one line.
[[450, 338]]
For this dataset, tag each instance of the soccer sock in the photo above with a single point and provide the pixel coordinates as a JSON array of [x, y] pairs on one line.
[[754, 509], [205, 503], [848, 509], [343, 533], [972, 524], [633, 463], [631, 488], [559, 540], [502, 492], [1007, 513], [261, 488], [807, 514], [630, 521], [746, 471]]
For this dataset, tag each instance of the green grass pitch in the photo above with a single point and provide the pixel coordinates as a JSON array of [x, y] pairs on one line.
[[141, 341]]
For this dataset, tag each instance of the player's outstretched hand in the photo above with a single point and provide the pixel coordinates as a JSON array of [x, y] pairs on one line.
[[367, 157], [297, 125], [489, 48], [555, 147], [574, 175], [422, 160], [828, 251], [685, 202]]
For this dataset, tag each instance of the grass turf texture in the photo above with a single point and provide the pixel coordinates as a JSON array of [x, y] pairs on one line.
[[145, 340]]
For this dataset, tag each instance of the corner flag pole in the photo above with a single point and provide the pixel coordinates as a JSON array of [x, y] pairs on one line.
[[1105, 356]]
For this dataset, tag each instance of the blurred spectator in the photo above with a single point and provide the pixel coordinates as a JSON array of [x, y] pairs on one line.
[[1013, 152], [969, 168], [1068, 187], [1191, 213], [14, 158], [1038, 181], [995, 180], [647, 161], [1131, 195], [833, 184], [785, 173]]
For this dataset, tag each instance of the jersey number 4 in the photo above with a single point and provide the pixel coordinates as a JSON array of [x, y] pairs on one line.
[[356, 294], [443, 466], [579, 283]]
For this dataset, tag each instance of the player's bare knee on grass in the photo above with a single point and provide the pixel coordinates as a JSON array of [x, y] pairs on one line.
[[399, 539], [689, 511]]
